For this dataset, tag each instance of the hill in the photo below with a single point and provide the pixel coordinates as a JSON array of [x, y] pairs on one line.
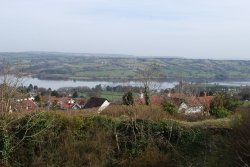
[[118, 67]]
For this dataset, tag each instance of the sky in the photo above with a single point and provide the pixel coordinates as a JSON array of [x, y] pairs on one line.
[[207, 29]]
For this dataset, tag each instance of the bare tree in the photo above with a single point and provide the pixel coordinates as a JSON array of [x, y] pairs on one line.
[[188, 89], [10, 96], [149, 77], [10, 81]]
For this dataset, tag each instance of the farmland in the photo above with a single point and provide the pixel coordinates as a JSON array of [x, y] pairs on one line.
[[70, 66]]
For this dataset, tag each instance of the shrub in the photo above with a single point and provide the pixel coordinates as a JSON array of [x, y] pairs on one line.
[[219, 112], [223, 104], [241, 139], [128, 99], [62, 139], [170, 107]]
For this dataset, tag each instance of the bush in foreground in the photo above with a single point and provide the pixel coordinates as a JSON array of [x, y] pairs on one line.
[[56, 139]]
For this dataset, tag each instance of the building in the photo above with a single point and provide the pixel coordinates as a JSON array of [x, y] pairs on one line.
[[95, 102]]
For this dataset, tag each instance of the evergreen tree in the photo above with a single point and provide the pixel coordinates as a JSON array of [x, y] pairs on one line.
[[75, 94], [146, 95], [128, 98]]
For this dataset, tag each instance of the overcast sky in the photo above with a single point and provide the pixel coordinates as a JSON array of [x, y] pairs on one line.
[[213, 29]]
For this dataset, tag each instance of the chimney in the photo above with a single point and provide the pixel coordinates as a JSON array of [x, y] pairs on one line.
[[141, 95]]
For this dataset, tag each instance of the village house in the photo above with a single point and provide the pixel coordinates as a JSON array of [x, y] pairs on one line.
[[65, 103], [22, 105], [190, 104], [95, 102], [185, 104]]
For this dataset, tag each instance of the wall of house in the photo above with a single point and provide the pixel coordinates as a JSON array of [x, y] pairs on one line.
[[183, 107], [103, 106], [187, 110], [194, 109]]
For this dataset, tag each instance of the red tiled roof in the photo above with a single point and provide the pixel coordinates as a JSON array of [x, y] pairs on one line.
[[28, 105], [154, 100], [66, 106], [81, 101], [62, 99], [193, 100], [206, 100], [177, 98]]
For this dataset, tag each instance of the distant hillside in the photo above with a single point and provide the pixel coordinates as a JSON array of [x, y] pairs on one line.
[[116, 67]]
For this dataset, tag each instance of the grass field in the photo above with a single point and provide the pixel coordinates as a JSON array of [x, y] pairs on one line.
[[111, 96], [47, 65]]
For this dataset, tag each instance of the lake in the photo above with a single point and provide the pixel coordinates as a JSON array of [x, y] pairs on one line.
[[56, 84]]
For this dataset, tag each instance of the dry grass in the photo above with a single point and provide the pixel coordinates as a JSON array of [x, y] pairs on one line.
[[137, 112], [211, 123], [157, 114]]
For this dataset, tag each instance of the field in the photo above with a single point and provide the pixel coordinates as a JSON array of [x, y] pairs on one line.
[[111, 96], [58, 66]]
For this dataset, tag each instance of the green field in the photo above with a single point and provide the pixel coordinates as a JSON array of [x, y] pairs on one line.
[[57, 66], [111, 96]]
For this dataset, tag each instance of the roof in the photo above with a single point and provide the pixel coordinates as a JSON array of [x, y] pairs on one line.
[[206, 100], [24, 105], [30, 105], [94, 102], [177, 101], [61, 99], [81, 102], [154, 100], [193, 101]]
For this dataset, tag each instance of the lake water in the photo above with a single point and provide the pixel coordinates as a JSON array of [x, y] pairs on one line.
[[56, 84]]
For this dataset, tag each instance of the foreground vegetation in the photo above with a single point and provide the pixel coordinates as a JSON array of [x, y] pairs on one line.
[[46, 65], [133, 138]]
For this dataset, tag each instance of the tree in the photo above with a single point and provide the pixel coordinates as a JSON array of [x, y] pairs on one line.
[[245, 93], [146, 93], [30, 88], [98, 88], [223, 104], [128, 98], [11, 80], [10, 94], [170, 107], [55, 93], [148, 76], [42, 91], [189, 89], [35, 87], [75, 94]]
